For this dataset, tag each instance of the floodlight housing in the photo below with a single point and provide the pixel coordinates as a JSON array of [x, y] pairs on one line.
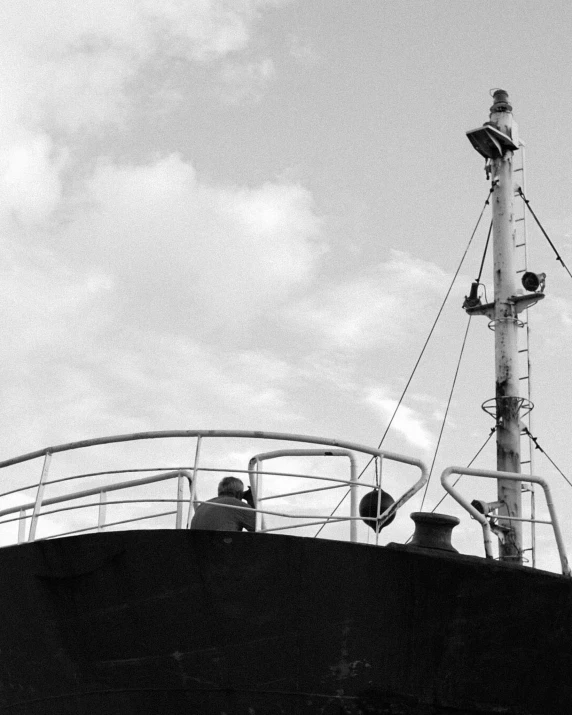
[[490, 142], [534, 282]]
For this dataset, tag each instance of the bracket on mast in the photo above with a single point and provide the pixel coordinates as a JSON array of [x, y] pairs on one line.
[[520, 303], [487, 309]]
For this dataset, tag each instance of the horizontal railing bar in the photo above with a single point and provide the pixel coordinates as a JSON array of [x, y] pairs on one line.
[[113, 523], [519, 518], [98, 490], [304, 491], [20, 489], [116, 471], [301, 526], [275, 474], [135, 483], [199, 469], [216, 434], [96, 504], [15, 518], [282, 514]]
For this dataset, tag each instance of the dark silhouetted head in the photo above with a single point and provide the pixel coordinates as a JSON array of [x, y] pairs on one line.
[[368, 508], [231, 487]]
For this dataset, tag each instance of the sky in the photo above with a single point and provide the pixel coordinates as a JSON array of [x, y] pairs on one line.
[[245, 214]]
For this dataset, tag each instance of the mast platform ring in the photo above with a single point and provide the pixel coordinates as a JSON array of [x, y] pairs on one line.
[[524, 406], [492, 324]]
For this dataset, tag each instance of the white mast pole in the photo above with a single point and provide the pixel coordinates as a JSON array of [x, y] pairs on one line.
[[506, 326]]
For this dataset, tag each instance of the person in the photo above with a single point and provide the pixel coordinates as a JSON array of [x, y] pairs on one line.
[[227, 516]]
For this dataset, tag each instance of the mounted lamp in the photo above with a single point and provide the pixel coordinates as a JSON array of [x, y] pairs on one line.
[[490, 142], [534, 282]]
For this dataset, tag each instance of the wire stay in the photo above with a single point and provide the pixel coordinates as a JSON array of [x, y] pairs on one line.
[[443, 423], [487, 201], [541, 227], [537, 446], [488, 439]]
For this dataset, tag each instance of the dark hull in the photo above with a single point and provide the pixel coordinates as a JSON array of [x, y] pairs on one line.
[[179, 622]]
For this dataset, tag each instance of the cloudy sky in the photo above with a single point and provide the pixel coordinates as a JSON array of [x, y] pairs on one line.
[[244, 214]]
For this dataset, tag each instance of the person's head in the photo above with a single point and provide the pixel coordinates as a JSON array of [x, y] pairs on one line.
[[231, 487]]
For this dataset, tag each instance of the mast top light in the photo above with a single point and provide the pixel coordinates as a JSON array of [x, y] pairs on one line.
[[501, 102], [499, 135]]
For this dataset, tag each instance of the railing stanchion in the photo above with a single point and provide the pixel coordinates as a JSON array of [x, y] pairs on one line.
[[101, 514], [39, 496], [194, 480], [354, 511], [22, 527], [179, 517], [378, 510]]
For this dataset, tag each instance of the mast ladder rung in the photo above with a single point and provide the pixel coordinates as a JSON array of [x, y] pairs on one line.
[[519, 219], [526, 377], [524, 350], [515, 170], [519, 245], [525, 461], [523, 270]]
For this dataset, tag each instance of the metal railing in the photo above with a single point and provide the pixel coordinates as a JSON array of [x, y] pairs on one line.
[[190, 474], [37, 505], [482, 518], [353, 485]]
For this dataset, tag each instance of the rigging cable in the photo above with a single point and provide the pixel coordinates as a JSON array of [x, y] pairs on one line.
[[487, 201], [493, 430], [540, 226], [537, 446], [485, 253], [446, 410]]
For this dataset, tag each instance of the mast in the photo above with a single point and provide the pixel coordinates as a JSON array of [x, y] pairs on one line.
[[497, 140], [506, 339]]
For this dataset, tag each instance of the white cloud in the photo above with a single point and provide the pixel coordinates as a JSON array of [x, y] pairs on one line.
[[303, 52], [375, 307], [194, 253], [30, 185], [70, 63], [67, 67], [562, 307], [75, 365], [407, 422], [245, 81]]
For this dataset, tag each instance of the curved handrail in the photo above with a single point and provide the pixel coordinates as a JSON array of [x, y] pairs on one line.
[[326, 445], [481, 518], [252, 434]]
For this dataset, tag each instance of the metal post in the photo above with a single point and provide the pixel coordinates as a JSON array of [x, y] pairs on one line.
[[378, 510], [506, 326], [354, 504], [194, 480], [22, 527], [39, 496], [102, 510], [180, 495]]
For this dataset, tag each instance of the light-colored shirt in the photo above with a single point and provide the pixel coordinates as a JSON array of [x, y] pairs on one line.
[[224, 518]]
